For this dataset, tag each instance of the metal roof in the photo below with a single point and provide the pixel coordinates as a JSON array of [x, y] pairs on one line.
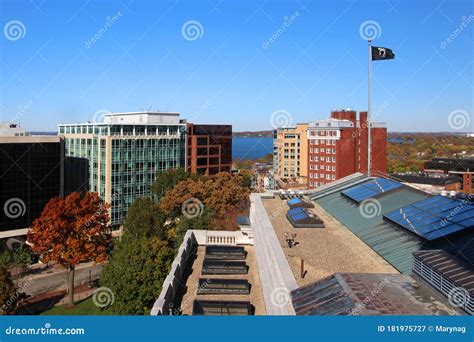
[[366, 294], [391, 242], [451, 268]]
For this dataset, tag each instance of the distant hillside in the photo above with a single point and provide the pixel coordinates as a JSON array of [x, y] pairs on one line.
[[256, 134]]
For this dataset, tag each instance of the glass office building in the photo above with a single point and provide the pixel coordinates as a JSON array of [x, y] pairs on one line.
[[30, 175], [120, 157]]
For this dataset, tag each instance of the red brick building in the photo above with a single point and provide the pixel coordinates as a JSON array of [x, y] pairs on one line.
[[209, 149], [337, 147]]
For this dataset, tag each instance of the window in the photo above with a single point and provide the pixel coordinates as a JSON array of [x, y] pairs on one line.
[[328, 159], [334, 168], [328, 176], [310, 158], [316, 175], [328, 168], [311, 183], [310, 166], [316, 167], [333, 177], [333, 159], [333, 151], [316, 158]]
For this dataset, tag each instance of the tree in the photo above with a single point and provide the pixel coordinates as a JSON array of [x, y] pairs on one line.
[[8, 292], [136, 273], [72, 230], [22, 256], [165, 180], [225, 194], [144, 218]]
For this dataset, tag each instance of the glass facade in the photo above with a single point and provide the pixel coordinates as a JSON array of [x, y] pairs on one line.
[[30, 176], [123, 160]]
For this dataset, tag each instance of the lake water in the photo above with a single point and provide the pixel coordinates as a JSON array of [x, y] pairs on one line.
[[251, 148]]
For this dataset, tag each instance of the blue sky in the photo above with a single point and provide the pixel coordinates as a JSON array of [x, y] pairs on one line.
[[52, 73]]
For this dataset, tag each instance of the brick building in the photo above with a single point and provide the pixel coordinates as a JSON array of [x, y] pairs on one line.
[[337, 147], [209, 148]]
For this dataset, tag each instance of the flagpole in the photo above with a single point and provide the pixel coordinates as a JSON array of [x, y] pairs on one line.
[[369, 107]]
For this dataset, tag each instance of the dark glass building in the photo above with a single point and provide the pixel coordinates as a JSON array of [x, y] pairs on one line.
[[30, 175]]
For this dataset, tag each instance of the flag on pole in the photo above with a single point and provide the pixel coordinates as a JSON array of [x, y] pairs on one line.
[[381, 53]]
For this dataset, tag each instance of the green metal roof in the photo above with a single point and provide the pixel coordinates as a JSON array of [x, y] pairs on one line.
[[390, 241]]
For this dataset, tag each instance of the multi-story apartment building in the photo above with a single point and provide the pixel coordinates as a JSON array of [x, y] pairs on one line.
[[209, 149], [30, 175], [337, 147], [123, 155], [290, 153]]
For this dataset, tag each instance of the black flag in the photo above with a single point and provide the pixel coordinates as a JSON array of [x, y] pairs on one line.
[[381, 53]]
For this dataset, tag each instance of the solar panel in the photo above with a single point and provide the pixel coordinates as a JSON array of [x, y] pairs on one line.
[[434, 217], [370, 189], [294, 201]]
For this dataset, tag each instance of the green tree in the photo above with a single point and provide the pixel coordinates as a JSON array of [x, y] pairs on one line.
[[8, 292], [165, 180], [22, 256], [144, 218], [136, 272], [5, 259]]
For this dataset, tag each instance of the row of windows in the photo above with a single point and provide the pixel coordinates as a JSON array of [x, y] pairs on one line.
[[322, 159], [331, 133], [322, 150], [322, 176], [315, 184], [322, 142], [317, 167], [317, 159]]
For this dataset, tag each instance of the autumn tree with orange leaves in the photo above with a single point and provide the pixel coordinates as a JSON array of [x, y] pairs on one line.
[[71, 231], [226, 196]]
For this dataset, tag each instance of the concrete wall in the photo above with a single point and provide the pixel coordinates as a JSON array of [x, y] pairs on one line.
[[171, 284]]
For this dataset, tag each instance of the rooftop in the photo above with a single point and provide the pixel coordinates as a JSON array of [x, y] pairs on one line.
[[192, 283], [392, 242], [367, 294], [325, 251]]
